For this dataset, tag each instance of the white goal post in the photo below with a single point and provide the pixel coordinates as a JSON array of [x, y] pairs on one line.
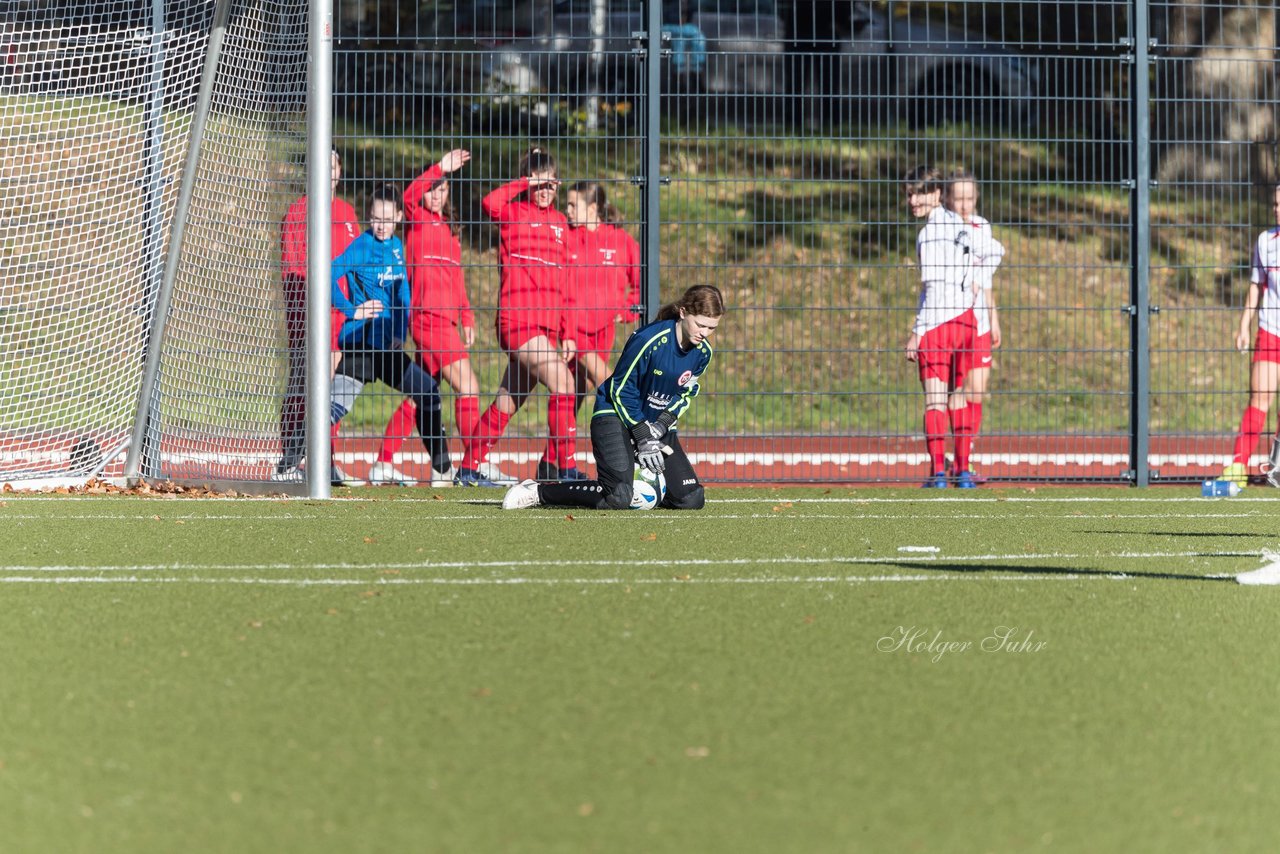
[[148, 152]]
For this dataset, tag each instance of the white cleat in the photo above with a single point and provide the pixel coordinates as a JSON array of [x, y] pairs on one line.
[[521, 496], [489, 471], [385, 474], [291, 474], [442, 479], [1268, 575]]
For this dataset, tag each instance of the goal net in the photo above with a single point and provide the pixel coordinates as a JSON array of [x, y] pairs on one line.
[[98, 104]]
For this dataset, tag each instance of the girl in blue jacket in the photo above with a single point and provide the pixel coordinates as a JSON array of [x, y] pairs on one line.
[[373, 335]]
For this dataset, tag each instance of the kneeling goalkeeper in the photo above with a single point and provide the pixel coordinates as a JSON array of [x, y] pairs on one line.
[[637, 407]]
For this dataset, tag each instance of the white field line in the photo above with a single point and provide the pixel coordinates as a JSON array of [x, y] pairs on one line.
[[1121, 497], [718, 496], [594, 516], [665, 564], [573, 582]]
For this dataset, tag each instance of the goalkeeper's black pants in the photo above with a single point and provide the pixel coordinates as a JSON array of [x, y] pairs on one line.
[[615, 454], [396, 369]]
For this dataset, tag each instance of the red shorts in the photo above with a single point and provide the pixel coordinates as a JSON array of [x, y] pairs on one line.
[[513, 336], [599, 342], [980, 355], [945, 352], [1266, 347], [439, 343]]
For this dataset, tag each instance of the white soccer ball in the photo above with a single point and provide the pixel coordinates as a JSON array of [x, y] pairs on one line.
[[647, 489]]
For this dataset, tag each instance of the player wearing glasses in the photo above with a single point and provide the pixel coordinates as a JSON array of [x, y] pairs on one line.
[[377, 319]]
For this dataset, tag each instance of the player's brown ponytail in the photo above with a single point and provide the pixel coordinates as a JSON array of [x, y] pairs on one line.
[[703, 300]]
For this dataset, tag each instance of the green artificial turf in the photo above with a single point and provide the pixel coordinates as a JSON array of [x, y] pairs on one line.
[[422, 673]]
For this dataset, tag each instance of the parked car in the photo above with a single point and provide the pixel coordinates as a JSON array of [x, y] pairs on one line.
[[892, 68], [548, 48], [514, 62]]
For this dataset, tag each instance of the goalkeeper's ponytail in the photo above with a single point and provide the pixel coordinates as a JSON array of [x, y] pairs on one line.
[[702, 300]]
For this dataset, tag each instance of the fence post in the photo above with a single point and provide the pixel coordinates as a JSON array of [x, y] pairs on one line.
[[319, 234], [1140, 251], [651, 167]]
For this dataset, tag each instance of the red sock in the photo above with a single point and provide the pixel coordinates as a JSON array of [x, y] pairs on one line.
[[1252, 423], [974, 419], [561, 418], [935, 438], [962, 429], [466, 413], [489, 429], [399, 427]]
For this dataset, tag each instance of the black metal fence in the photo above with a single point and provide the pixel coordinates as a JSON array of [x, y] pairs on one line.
[[1125, 154]]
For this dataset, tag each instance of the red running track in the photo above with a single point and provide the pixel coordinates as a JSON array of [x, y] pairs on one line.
[[747, 460]]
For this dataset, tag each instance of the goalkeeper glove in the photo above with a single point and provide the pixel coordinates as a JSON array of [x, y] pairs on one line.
[[655, 429], [649, 454]]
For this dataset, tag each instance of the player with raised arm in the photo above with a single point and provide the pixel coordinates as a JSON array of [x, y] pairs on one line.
[[440, 320], [637, 409], [965, 403], [1263, 302], [372, 339], [535, 313], [604, 274], [345, 227], [942, 337]]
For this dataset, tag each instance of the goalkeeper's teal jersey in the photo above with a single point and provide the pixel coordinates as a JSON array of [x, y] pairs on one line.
[[653, 375]]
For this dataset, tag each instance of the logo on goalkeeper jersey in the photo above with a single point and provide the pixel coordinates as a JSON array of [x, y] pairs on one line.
[[659, 401], [685, 378]]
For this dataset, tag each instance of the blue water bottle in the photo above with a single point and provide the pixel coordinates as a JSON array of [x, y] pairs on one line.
[[1219, 489]]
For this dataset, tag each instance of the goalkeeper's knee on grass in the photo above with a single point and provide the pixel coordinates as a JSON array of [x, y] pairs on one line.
[[618, 498], [694, 499]]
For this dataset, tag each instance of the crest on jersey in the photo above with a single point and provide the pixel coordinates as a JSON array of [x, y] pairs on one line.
[[685, 378]]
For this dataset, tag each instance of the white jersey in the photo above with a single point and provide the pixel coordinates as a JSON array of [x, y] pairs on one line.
[[987, 255], [944, 250], [1266, 272]]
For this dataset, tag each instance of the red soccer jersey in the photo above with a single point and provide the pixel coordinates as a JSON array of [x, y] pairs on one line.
[[532, 258], [433, 256], [605, 276], [293, 236], [293, 260]]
